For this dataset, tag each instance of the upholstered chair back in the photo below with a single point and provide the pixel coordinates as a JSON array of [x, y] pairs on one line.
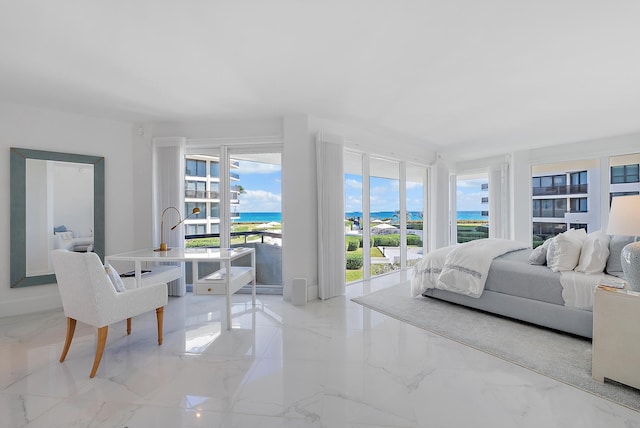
[[86, 291]]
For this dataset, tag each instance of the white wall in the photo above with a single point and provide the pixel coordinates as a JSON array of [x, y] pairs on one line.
[[299, 205], [34, 128]]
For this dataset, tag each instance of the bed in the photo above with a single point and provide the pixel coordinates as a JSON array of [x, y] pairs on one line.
[[510, 285]]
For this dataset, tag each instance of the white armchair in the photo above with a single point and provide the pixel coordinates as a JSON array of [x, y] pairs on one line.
[[89, 297]]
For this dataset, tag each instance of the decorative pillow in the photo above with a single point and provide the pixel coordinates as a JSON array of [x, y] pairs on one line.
[[115, 279], [65, 235], [563, 253], [594, 253], [616, 244], [539, 255], [59, 229]]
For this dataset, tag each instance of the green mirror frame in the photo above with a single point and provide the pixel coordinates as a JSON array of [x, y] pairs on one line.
[[18, 162]]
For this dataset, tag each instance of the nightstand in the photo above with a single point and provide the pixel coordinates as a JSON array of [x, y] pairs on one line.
[[616, 336]]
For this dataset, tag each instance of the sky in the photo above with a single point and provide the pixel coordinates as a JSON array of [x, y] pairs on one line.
[[262, 183], [385, 194], [262, 186], [469, 195]]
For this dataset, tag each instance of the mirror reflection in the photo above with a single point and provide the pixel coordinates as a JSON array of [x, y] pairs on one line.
[[57, 201], [59, 211]]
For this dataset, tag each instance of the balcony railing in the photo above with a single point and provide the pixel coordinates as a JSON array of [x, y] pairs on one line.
[[571, 189], [485, 200], [201, 194]]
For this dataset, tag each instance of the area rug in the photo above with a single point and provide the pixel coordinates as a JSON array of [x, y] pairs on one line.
[[562, 357]]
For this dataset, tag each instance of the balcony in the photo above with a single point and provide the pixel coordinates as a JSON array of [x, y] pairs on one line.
[[571, 189], [485, 200], [201, 194], [268, 253]]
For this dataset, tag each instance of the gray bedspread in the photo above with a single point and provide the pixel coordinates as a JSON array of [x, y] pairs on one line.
[[512, 274]]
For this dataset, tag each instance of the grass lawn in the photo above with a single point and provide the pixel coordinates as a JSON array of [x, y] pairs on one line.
[[356, 274]]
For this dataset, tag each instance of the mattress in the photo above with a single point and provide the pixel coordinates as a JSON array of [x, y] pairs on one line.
[[512, 274]]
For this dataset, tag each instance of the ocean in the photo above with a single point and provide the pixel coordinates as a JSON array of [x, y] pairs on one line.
[[259, 217], [416, 215], [380, 215]]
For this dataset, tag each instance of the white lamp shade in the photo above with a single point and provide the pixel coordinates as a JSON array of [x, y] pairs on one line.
[[624, 217]]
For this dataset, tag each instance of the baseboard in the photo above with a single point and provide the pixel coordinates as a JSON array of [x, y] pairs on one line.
[[30, 305]]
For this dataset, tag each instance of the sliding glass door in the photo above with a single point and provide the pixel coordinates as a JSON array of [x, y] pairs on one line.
[[384, 215], [238, 192]]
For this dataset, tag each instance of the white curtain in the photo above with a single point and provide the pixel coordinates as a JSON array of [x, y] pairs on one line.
[[168, 191], [331, 249], [499, 201]]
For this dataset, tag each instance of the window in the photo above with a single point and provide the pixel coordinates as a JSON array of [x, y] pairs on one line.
[[189, 206], [214, 169], [578, 182], [384, 197], [238, 192], [579, 177], [472, 215], [195, 229], [415, 187], [375, 213], [195, 189], [625, 174], [196, 168], [584, 226], [544, 231], [549, 207], [578, 205], [549, 185], [214, 210], [354, 217]]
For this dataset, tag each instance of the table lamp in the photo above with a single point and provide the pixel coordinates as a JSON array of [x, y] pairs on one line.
[[163, 245], [624, 219]]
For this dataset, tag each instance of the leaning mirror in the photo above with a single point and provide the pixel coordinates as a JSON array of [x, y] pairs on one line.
[[57, 201]]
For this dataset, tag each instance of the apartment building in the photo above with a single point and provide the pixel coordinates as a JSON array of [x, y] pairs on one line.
[[202, 190]]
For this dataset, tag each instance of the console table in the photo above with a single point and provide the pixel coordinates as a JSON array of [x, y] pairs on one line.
[[217, 283]]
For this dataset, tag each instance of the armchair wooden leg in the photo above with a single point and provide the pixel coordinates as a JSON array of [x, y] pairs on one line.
[[159, 317], [71, 328], [102, 341], [128, 326]]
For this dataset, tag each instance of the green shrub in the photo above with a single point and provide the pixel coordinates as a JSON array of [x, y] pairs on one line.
[[354, 261], [370, 242], [386, 240], [414, 240], [351, 240], [352, 245]]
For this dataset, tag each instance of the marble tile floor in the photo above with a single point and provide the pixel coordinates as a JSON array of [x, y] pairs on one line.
[[326, 364]]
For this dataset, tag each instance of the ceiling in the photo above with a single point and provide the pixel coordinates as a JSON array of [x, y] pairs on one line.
[[462, 75]]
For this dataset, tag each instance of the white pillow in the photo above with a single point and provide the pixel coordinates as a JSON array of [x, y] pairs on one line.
[[563, 253], [539, 255], [594, 253], [65, 235], [115, 279], [614, 264]]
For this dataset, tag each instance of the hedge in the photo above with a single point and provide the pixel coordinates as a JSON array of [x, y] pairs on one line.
[[354, 261]]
